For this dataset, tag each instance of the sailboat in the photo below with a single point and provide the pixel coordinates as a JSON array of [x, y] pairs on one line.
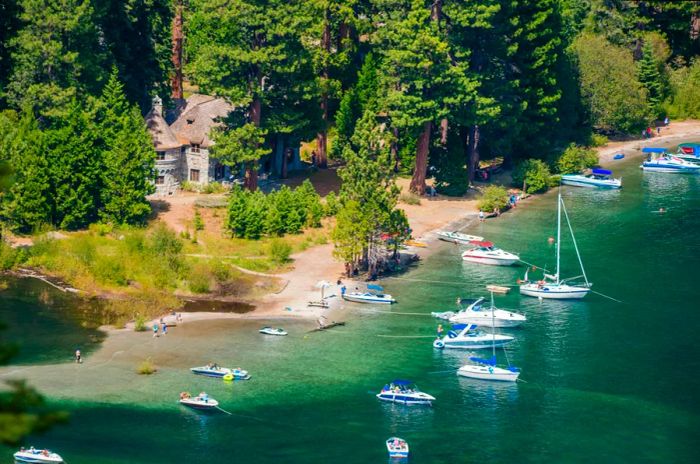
[[486, 369], [552, 286]]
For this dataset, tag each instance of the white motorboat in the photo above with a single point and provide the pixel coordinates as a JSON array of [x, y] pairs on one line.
[[689, 152], [404, 392], [658, 160], [397, 447], [466, 337], [201, 401], [374, 294], [214, 370], [445, 315], [476, 313], [273, 331], [598, 178], [486, 369], [37, 456], [487, 253], [458, 237], [551, 286]]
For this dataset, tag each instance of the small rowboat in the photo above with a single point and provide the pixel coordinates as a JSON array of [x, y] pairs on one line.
[[497, 289], [202, 401], [397, 447], [37, 456]]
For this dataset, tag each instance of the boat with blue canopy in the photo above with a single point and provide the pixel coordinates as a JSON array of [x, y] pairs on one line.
[[374, 294], [404, 392], [689, 152], [214, 370], [598, 178], [659, 160]]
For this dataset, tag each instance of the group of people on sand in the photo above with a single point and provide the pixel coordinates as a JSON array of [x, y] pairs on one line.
[[164, 326]]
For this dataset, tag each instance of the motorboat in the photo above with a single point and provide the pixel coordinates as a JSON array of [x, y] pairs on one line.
[[404, 392], [552, 286], [458, 237], [476, 313], [214, 370], [397, 447], [487, 253], [374, 294], [486, 369], [689, 152], [658, 160], [598, 178], [201, 401], [445, 315], [37, 456], [273, 331], [467, 337]]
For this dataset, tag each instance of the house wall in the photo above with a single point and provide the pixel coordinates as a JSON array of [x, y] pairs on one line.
[[198, 161], [169, 168]]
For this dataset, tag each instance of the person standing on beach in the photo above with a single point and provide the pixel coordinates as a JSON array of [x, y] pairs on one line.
[[165, 328], [155, 329], [481, 216], [78, 357]]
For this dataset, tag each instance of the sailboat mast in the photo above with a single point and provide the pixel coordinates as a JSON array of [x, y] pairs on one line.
[[573, 239], [493, 328], [558, 233]]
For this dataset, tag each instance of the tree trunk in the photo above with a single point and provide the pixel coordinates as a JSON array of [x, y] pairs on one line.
[[422, 150], [322, 136], [177, 36], [444, 125], [251, 173], [436, 10], [472, 151], [284, 161], [395, 148]]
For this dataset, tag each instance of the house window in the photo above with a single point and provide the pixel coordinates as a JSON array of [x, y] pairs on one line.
[[195, 148], [160, 180], [160, 155], [194, 175]]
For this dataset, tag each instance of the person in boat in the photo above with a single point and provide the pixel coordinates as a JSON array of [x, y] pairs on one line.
[[439, 330], [385, 388]]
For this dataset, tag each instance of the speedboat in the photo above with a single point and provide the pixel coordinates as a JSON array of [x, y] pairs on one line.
[[37, 455], [458, 237], [466, 337], [404, 392], [600, 178], [689, 152], [660, 161], [476, 313], [445, 315], [201, 401], [214, 370], [374, 294], [487, 253], [397, 447], [486, 369], [273, 331]]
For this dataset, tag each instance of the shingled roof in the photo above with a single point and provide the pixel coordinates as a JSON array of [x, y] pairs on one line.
[[197, 117], [163, 137]]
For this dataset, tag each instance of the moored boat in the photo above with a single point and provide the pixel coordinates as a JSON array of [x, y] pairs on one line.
[[598, 178], [34, 455], [467, 337], [374, 294], [486, 369], [397, 447], [404, 392], [214, 370], [658, 160], [476, 313], [689, 152], [458, 237], [498, 289], [487, 253], [201, 401], [273, 331]]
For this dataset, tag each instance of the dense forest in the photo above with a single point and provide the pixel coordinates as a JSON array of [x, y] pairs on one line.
[[412, 87]]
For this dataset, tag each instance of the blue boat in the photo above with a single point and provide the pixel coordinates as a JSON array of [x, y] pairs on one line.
[[404, 392], [214, 370], [659, 160], [598, 178]]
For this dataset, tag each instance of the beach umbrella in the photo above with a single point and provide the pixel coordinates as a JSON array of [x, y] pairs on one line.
[[322, 284]]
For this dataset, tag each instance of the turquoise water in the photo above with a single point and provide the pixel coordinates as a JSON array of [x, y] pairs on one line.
[[603, 381]]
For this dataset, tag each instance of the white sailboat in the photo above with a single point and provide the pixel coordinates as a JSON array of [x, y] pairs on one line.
[[486, 369], [552, 286]]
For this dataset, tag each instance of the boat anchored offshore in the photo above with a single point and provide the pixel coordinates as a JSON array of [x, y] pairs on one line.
[[600, 178], [397, 447], [374, 294], [551, 286], [487, 253], [475, 313], [660, 161], [214, 370], [466, 337], [201, 401], [404, 392], [273, 331], [37, 456], [457, 237], [689, 152]]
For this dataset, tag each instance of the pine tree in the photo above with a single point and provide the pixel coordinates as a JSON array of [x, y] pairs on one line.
[[650, 77], [273, 221], [237, 207], [255, 215]]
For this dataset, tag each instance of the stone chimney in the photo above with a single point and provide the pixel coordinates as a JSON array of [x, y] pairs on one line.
[[157, 106]]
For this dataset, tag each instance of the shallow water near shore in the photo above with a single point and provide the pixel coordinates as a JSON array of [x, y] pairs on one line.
[[603, 381]]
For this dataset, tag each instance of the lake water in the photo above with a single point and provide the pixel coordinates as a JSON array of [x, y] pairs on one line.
[[602, 381]]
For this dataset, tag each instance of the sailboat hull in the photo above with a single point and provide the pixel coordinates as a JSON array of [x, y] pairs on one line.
[[554, 292], [493, 373]]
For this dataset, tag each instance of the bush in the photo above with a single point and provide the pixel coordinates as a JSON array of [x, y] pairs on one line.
[[198, 222], [146, 368], [332, 205], [101, 229], [535, 173], [598, 140], [140, 324], [11, 257], [409, 199], [494, 197], [280, 251], [198, 281], [576, 158], [188, 186], [213, 187]]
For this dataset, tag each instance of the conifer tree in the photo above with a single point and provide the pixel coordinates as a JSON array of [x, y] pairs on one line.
[[650, 78], [237, 207]]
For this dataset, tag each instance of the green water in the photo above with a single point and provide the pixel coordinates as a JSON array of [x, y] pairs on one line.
[[604, 381]]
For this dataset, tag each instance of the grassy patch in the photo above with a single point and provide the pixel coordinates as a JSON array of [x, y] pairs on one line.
[[146, 367], [409, 199]]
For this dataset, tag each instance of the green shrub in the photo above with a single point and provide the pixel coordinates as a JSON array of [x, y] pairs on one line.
[[409, 199], [198, 222], [221, 271], [198, 281], [109, 270], [101, 229], [280, 251], [576, 158], [11, 257], [146, 368], [535, 173], [598, 140], [213, 187], [494, 197], [188, 186], [332, 205], [140, 324]]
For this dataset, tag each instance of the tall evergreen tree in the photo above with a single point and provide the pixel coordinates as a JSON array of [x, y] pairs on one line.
[[650, 78]]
